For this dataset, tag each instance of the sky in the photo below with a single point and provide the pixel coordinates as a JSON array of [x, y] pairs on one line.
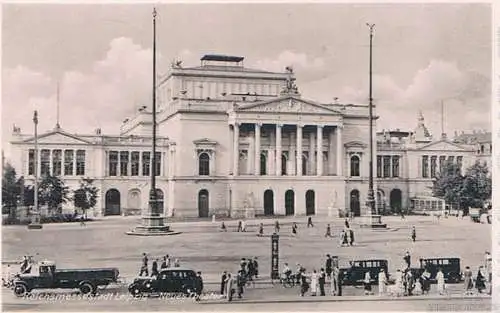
[[100, 55]]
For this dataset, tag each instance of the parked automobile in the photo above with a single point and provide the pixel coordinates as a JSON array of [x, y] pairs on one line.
[[171, 280], [449, 266], [48, 277], [355, 273]]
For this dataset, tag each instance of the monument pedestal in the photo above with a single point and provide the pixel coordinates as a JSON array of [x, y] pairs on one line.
[[372, 221], [152, 226], [35, 222]]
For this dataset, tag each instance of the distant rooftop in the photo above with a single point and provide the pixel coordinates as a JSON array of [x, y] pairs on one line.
[[221, 58]]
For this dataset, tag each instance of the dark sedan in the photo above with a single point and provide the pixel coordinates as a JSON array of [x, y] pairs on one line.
[[172, 280]]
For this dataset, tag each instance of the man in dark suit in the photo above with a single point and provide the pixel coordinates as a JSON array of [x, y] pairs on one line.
[[223, 282], [322, 278]]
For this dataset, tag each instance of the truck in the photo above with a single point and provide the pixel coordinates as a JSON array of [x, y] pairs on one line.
[[49, 277]]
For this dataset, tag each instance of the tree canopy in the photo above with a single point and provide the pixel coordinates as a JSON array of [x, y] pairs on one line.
[[85, 197]]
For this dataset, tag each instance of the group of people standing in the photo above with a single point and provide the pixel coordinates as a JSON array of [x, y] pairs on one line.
[[347, 235], [166, 263], [248, 271]]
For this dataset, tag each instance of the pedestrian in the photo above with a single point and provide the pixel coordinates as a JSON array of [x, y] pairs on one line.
[[243, 226], [346, 223], [367, 283], [82, 220], [240, 282], [251, 269], [409, 282], [304, 285], [343, 239], [223, 227], [243, 264], [223, 280], [229, 287], [382, 283], [144, 266], [468, 283], [440, 282], [413, 234], [402, 215], [154, 268], [276, 227], [261, 230], [163, 263], [426, 281], [24, 265], [399, 286], [321, 281], [334, 281], [198, 286], [177, 263], [328, 265], [347, 236], [480, 279], [294, 229], [256, 267], [168, 260], [407, 259], [340, 279], [488, 271], [310, 222], [314, 283], [351, 237], [239, 226], [298, 274], [328, 231]]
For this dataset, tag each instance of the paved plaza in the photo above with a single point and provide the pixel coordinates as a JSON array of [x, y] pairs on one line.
[[203, 247]]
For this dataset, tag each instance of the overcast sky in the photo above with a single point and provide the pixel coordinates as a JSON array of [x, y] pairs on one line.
[[101, 55]]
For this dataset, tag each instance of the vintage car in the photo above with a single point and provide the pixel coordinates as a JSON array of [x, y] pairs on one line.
[[355, 274], [171, 280], [449, 266], [48, 277]]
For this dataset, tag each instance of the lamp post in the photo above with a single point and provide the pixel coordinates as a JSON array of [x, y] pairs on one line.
[[152, 223], [35, 217]]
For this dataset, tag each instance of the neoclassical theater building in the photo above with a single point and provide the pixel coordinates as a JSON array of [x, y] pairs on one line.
[[243, 142]]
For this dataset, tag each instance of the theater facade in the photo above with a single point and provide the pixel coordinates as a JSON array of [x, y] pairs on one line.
[[242, 142]]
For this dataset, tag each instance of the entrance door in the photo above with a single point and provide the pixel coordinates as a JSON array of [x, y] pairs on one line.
[[396, 200], [310, 208], [289, 202], [112, 204], [268, 202], [355, 206], [203, 203]]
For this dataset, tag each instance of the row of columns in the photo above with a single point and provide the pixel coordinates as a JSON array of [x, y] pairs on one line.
[[278, 149]]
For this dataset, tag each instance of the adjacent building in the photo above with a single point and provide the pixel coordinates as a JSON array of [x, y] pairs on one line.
[[243, 142]]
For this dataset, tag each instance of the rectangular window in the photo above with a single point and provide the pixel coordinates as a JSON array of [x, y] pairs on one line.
[[146, 163], [113, 163], [433, 166], [134, 159], [395, 166], [68, 162], [425, 166], [459, 162], [451, 159], [31, 162], [45, 162], [123, 163], [379, 166], [80, 162], [56, 162], [157, 163], [442, 163], [387, 166]]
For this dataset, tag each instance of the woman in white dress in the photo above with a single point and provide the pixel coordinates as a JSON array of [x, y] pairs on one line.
[[314, 283], [334, 281], [367, 283], [399, 287], [382, 283], [440, 282]]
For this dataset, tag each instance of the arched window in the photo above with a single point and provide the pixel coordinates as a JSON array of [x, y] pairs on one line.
[[204, 164], [355, 165], [283, 165], [263, 164]]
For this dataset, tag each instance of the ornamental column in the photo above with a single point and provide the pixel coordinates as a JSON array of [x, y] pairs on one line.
[[319, 150], [299, 150], [236, 148], [278, 149], [340, 151], [257, 149]]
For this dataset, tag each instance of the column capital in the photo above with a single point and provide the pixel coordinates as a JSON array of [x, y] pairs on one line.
[[258, 124], [320, 126], [300, 125], [235, 124], [279, 125]]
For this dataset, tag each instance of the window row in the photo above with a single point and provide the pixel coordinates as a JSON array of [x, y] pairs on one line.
[[431, 167], [57, 162], [388, 166], [134, 163]]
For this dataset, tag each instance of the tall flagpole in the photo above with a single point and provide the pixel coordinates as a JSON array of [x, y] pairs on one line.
[[35, 214], [371, 198]]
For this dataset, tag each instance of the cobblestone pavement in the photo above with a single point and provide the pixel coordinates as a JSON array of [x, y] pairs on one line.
[[202, 246]]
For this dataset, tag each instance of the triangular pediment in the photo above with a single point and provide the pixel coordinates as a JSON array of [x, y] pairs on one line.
[[443, 145], [355, 144], [288, 104], [58, 137]]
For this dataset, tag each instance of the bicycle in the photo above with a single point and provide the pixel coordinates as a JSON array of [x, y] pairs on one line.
[[287, 281]]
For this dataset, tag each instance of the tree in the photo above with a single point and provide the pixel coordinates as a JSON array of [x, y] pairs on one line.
[[470, 190], [85, 197], [52, 193], [10, 190]]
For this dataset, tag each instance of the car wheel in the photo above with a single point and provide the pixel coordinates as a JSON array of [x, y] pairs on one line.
[[136, 291], [20, 290], [86, 288]]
